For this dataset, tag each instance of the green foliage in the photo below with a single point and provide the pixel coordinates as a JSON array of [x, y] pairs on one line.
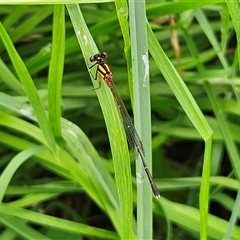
[[57, 169]]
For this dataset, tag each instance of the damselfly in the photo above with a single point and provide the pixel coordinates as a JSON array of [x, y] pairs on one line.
[[134, 140]]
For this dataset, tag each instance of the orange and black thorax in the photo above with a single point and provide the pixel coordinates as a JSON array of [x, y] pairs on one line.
[[104, 71]]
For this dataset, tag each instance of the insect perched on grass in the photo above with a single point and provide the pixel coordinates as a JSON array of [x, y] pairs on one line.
[[134, 140]]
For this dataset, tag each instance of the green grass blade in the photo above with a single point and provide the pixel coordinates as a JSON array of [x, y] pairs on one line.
[[56, 71], [122, 13], [204, 190], [230, 145], [12, 167], [20, 227], [211, 36], [52, 2], [141, 95], [29, 88], [114, 126], [178, 87], [56, 223], [234, 8], [165, 8], [192, 110], [97, 184], [14, 16], [8, 77], [31, 22], [234, 216], [225, 22], [188, 218]]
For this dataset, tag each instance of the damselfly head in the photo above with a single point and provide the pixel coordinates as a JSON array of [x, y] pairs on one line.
[[103, 55], [93, 58], [98, 57]]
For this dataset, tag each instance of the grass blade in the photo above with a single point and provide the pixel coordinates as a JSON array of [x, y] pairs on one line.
[[141, 94], [56, 71], [29, 88], [114, 126]]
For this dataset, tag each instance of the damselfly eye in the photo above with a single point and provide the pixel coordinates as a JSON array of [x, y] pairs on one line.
[[91, 59], [103, 55]]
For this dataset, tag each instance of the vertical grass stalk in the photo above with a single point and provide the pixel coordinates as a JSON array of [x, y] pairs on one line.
[[141, 93]]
